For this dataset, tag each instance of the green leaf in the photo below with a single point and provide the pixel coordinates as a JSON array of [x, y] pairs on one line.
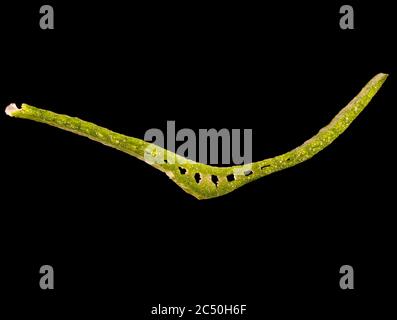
[[201, 180]]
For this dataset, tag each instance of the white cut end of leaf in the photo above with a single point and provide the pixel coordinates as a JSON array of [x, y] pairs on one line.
[[11, 108]]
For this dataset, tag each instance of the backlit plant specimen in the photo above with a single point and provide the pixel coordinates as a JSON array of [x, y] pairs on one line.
[[201, 180]]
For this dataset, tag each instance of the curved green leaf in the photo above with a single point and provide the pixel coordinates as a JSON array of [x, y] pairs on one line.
[[201, 180]]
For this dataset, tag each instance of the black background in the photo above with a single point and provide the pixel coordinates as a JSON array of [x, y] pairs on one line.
[[122, 237]]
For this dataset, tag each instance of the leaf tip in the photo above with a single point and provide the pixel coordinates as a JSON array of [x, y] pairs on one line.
[[11, 109]]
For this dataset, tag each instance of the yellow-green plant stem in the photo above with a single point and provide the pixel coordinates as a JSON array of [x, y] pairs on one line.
[[201, 180]]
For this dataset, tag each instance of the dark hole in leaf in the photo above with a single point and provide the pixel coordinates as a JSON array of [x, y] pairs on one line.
[[165, 161], [197, 177], [230, 177], [215, 180], [265, 166], [182, 170], [248, 173], [288, 159]]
